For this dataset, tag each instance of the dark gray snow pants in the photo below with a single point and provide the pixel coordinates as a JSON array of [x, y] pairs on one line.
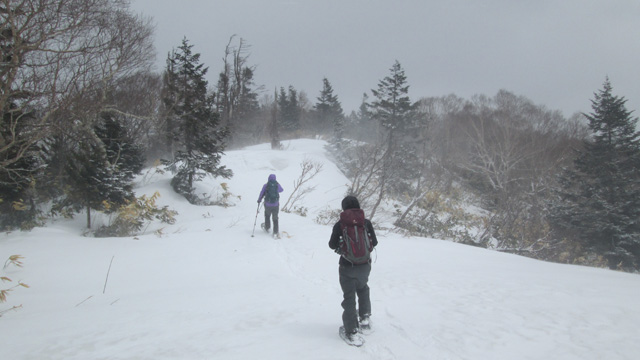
[[353, 281], [269, 212]]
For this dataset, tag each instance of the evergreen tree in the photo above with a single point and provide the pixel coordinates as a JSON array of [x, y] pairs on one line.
[[601, 193], [100, 169], [53, 90], [247, 104], [21, 164], [289, 110], [394, 112], [198, 138], [171, 98], [393, 108], [246, 122], [93, 182], [329, 113], [19, 174], [361, 125], [283, 104], [121, 150], [274, 132]]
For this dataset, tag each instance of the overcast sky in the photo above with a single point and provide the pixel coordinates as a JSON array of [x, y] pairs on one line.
[[555, 52]]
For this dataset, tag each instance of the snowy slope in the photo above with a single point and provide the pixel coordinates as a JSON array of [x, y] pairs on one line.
[[205, 289]]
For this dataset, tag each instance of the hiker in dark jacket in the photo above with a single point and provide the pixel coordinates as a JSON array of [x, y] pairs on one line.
[[271, 203], [353, 278]]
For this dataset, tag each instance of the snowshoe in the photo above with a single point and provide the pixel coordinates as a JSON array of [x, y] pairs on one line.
[[351, 339], [276, 236], [264, 228]]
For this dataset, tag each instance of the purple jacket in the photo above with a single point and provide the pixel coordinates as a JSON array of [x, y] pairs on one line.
[[264, 188]]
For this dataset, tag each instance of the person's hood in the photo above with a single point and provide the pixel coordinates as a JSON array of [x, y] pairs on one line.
[[350, 202], [272, 177]]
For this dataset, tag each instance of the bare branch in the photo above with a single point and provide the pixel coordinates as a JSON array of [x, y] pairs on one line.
[[309, 170]]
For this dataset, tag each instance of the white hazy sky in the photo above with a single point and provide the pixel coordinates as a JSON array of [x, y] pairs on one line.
[[555, 52]]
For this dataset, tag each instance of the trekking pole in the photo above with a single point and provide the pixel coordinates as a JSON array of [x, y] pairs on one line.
[[256, 220]]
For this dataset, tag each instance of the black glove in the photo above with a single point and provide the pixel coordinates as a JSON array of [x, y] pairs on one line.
[[258, 201]]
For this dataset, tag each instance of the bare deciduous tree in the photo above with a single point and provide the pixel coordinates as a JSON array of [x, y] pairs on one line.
[[362, 165], [237, 101], [60, 56], [509, 151]]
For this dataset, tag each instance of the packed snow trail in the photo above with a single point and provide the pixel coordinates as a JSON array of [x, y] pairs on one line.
[[205, 289]]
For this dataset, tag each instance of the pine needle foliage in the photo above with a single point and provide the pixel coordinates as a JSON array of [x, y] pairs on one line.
[[600, 196], [195, 136]]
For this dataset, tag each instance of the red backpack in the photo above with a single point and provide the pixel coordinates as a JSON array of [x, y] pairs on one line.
[[355, 244]]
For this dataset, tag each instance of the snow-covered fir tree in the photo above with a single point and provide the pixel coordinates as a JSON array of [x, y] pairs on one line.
[[247, 105], [289, 110], [273, 126], [328, 111], [19, 172], [392, 106], [601, 193], [120, 147], [93, 182], [197, 139], [359, 124], [394, 111], [100, 168]]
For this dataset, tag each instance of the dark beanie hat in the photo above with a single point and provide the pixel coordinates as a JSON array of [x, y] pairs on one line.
[[350, 202]]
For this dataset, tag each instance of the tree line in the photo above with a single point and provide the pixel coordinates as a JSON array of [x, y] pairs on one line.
[[83, 114], [543, 186]]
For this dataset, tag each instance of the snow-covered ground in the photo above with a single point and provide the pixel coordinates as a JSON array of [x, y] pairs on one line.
[[204, 288]]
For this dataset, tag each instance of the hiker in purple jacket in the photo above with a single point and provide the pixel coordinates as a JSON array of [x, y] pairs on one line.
[[271, 194]]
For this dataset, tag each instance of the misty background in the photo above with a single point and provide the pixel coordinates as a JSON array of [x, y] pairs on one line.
[[507, 163], [556, 53]]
